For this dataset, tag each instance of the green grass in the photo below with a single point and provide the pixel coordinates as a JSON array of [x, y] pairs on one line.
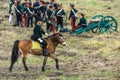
[[68, 78], [0, 61], [33, 60], [94, 3]]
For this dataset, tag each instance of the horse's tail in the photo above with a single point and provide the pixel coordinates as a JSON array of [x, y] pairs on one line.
[[15, 53]]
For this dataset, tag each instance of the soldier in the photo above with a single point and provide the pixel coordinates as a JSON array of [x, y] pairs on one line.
[[30, 14], [73, 16], [18, 13], [82, 23], [38, 12], [35, 6], [10, 5], [38, 32], [23, 5], [50, 14], [42, 9], [59, 15], [13, 13]]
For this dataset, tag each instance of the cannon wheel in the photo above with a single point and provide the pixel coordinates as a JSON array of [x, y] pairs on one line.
[[107, 24], [99, 16], [95, 30]]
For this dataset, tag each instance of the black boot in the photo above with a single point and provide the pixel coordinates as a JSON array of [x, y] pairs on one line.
[[45, 52]]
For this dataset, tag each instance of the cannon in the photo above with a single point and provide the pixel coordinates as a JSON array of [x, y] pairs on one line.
[[99, 24]]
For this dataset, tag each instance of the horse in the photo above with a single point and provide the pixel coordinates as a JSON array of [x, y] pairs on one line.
[[24, 47]]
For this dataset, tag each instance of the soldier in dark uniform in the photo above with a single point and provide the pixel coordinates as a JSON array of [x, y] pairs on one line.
[[49, 14], [38, 32], [59, 15], [35, 6], [82, 23], [22, 5], [30, 13], [42, 9], [39, 11], [73, 16], [18, 13]]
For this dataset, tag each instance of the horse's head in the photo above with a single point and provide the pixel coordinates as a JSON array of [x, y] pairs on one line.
[[58, 39]]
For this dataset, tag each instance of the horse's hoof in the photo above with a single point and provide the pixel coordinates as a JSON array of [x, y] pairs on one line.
[[43, 69], [26, 69], [57, 67], [10, 70]]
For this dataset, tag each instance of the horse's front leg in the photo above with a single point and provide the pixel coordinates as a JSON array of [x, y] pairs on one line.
[[56, 60], [57, 65], [24, 61], [44, 63]]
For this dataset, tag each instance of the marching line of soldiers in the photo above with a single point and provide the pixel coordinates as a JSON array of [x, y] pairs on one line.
[[26, 13]]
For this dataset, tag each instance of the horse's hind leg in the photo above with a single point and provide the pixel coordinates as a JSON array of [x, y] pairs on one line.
[[13, 60], [44, 63], [24, 61], [11, 66], [56, 60]]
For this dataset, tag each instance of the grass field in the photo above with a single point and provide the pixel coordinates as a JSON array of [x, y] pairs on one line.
[[89, 56]]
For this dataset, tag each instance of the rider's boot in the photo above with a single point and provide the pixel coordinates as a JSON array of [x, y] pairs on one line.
[[45, 52]]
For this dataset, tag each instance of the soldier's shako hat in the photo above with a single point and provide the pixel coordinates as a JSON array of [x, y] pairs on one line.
[[72, 4], [50, 5]]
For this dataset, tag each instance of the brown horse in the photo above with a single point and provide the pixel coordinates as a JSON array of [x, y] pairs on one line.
[[23, 47]]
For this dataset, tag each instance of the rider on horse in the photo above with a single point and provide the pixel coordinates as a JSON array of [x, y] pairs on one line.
[[37, 35]]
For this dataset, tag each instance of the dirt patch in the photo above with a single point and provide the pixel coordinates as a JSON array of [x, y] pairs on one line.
[[91, 63]]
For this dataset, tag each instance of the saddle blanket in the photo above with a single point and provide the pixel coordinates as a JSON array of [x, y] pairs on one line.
[[36, 45]]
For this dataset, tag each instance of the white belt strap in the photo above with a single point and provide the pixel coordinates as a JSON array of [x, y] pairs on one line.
[[17, 10], [29, 11], [74, 13], [59, 11]]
